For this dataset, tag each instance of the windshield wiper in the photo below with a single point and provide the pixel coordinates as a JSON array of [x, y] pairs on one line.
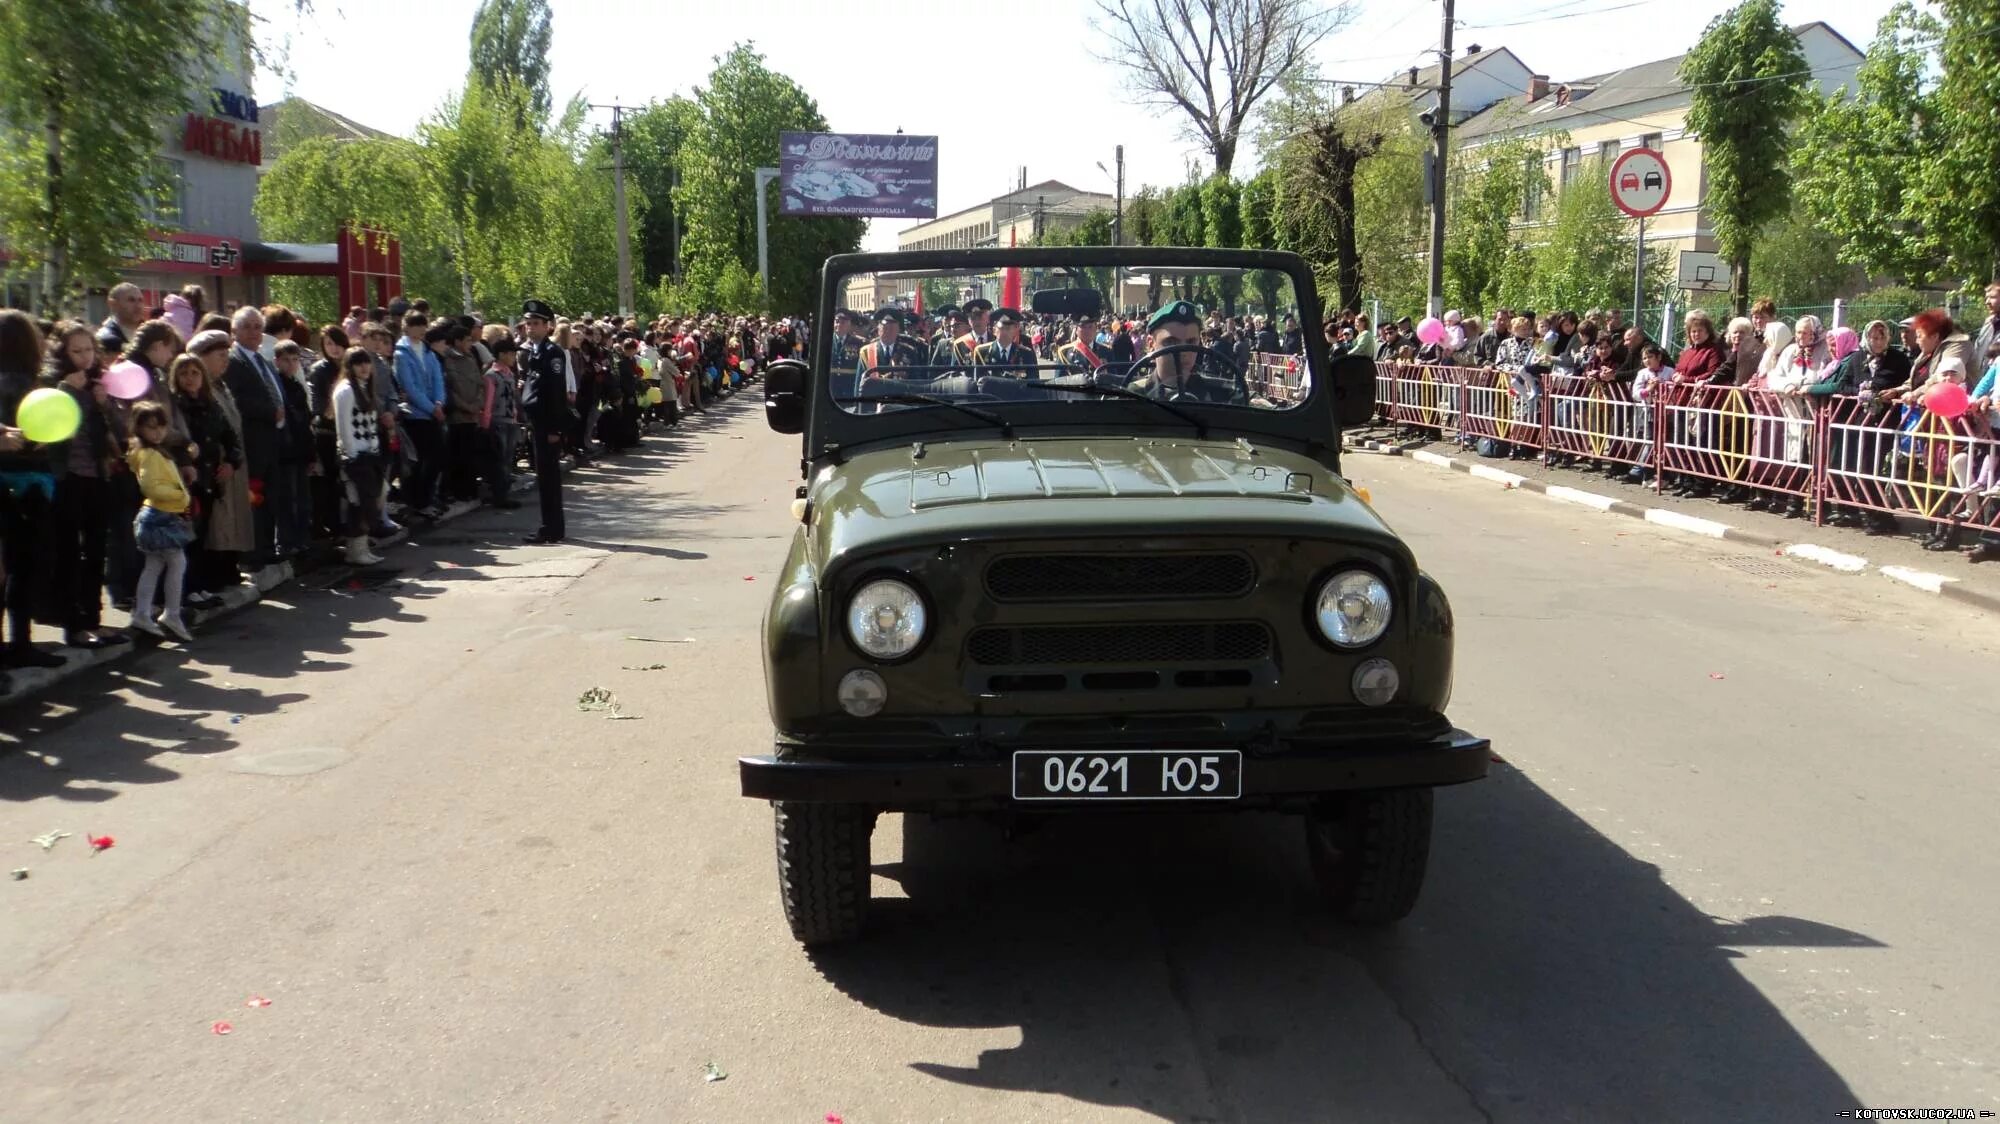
[[1200, 426], [1006, 427]]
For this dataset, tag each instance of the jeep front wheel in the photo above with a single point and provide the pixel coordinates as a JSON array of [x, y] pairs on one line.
[[823, 868], [1369, 851]]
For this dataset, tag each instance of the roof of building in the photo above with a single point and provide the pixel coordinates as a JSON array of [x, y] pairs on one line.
[[1019, 195], [1425, 83], [296, 119], [1599, 97]]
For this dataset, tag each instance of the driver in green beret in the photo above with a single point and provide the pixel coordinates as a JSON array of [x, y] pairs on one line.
[[1197, 374]]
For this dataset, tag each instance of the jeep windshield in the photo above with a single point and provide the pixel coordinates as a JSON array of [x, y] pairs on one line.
[[1089, 334]]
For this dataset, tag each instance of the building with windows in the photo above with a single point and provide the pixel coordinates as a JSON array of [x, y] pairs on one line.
[[1587, 122], [1011, 219]]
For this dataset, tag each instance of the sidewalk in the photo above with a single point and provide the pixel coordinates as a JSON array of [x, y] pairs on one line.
[[1896, 557]]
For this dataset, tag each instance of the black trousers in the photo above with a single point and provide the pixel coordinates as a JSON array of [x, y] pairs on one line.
[[426, 437], [548, 481], [80, 519], [24, 527], [121, 560]]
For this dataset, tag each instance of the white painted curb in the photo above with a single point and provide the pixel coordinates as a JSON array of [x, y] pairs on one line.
[[1826, 556], [1689, 523], [1921, 579], [1424, 456], [1576, 496], [1508, 479]]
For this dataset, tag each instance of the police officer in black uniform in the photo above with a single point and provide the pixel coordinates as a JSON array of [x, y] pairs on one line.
[[545, 399]]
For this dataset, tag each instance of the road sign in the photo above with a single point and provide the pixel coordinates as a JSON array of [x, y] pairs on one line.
[[1703, 272], [1640, 182]]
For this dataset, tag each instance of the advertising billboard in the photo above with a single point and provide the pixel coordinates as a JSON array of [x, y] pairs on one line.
[[869, 175]]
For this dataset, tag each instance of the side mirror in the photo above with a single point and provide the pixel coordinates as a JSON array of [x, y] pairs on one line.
[[1354, 390], [786, 384]]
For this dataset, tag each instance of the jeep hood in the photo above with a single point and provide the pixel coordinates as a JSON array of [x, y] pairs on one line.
[[1081, 487]]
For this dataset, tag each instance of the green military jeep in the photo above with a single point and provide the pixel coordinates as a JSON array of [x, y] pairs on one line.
[[1070, 580]]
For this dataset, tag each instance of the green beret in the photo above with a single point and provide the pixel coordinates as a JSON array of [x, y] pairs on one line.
[[1176, 312]]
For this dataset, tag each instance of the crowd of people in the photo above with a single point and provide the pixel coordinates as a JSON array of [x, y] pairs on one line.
[[207, 446], [1889, 372]]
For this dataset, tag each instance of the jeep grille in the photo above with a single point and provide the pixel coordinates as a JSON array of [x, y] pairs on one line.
[[1119, 577], [1146, 645]]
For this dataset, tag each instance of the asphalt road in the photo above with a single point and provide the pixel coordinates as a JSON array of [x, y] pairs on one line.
[[1737, 863]]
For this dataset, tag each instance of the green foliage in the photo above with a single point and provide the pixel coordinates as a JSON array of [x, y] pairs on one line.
[[1488, 191], [1146, 218], [654, 136], [1584, 255], [1903, 173], [743, 107], [99, 78], [1749, 81], [938, 292], [1960, 182], [1222, 212], [1392, 221], [1259, 203], [1889, 302], [1186, 223], [510, 44], [1799, 262]]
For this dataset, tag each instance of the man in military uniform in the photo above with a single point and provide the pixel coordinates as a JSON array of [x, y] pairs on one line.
[[889, 351], [977, 312], [1083, 355], [943, 344], [1181, 374], [846, 348], [545, 399], [1005, 354]]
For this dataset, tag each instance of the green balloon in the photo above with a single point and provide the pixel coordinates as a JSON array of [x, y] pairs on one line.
[[48, 415]]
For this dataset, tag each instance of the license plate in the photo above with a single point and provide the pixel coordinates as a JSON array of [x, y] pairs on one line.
[[1130, 774]]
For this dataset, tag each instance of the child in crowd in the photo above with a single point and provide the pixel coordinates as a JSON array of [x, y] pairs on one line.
[[356, 414], [162, 528], [502, 419]]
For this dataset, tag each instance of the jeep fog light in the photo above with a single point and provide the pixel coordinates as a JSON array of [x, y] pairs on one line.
[[863, 694], [1375, 682]]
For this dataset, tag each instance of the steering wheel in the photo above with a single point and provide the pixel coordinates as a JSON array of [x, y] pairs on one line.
[[1143, 365]]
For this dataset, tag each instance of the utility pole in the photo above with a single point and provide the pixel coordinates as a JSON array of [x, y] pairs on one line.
[[674, 213], [1441, 129], [625, 303], [763, 178], [1118, 216]]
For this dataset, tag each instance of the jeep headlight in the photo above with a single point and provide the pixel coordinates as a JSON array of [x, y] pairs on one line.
[[1353, 608], [886, 619]]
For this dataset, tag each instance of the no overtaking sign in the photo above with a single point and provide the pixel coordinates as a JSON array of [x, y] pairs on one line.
[[1640, 182]]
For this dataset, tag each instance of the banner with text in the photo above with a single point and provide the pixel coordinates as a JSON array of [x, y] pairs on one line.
[[864, 174]]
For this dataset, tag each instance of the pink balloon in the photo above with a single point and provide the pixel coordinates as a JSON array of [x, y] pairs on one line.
[[1431, 330], [1948, 400], [127, 380]]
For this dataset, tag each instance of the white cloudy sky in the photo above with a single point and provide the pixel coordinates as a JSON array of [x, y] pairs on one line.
[[1000, 85]]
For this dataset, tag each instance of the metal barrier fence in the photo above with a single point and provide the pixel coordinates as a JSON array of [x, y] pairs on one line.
[[1275, 377], [1836, 453]]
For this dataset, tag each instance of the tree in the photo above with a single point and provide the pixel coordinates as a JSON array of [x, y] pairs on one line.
[[83, 92], [1749, 82], [1222, 223], [1584, 255], [1799, 262], [1487, 193], [510, 43], [655, 136], [321, 185], [1213, 60], [1260, 200], [1960, 182], [744, 106]]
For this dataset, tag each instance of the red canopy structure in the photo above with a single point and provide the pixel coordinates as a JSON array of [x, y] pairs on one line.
[[1010, 279]]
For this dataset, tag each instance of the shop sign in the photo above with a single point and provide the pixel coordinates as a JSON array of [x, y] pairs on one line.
[[188, 253]]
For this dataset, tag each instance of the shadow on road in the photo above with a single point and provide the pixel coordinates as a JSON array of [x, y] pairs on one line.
[[1547, 974]]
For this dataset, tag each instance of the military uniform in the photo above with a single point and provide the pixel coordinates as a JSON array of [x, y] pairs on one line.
[[880, 359], [964, 348], [1082, 355], [845, 350], [545, 400], [1193, 384], [998, 358]]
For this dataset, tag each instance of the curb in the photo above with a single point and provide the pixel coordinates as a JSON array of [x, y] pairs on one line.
[[26, 683], [1949, 588]]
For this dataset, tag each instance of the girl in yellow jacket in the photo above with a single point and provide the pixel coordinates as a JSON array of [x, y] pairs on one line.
[[162, 527]]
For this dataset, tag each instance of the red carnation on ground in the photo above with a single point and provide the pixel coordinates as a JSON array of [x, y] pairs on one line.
[[101, 843]]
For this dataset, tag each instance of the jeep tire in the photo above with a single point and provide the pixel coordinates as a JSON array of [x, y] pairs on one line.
[[823, 868], [1369, 851]]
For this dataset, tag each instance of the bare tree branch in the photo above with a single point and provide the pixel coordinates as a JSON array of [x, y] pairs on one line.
[[1213, 60]]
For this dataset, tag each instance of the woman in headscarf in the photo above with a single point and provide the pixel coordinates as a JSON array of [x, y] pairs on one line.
[[231, 530]]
